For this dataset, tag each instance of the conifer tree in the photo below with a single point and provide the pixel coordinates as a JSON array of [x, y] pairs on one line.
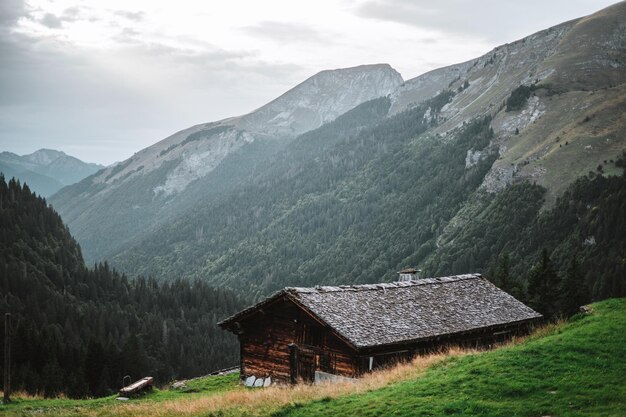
[[543, 287], [503, 269], [574, 290]]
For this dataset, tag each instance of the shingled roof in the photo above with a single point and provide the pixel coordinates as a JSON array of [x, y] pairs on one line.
[[390, 313]]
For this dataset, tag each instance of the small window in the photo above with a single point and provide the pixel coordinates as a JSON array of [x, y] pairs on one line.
[[312, 335], [327, 361]]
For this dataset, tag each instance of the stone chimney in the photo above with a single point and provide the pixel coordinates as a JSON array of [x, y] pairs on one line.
[[409, 274]]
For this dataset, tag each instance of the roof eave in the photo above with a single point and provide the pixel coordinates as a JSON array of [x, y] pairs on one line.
[[361, 348], [229, 322]]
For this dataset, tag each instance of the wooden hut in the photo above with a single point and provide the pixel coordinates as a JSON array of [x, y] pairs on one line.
[[317, 333]]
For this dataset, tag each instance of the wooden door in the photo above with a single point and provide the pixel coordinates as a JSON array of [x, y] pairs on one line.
[[302, 364], [307, 365]]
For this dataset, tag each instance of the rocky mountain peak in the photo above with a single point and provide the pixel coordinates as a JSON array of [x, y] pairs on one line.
[[196, 151], [44, 156], [321, 98]]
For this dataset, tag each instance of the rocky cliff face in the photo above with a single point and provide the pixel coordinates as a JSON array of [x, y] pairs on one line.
[[321, 99], [577, 70]]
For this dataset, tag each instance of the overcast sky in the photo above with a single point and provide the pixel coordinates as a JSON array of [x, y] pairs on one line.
[[102, 79]]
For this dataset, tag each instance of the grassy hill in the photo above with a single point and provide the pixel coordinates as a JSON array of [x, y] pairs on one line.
[[577, 369], [569, 369]]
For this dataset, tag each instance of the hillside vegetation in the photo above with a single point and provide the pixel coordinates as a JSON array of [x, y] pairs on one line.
[[122, 204], [78, 330], [586, 225], [346, 203], [568, 369]]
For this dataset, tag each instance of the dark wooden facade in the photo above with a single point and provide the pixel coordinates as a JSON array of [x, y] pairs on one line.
[[287, 343], [300, 331]]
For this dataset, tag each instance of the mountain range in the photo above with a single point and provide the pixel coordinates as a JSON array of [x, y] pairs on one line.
[[46, 171], [356, 173]]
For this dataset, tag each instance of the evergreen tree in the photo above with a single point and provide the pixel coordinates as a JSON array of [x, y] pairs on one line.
[[93, 366], [543, 287], [502, 272], [574, 290]]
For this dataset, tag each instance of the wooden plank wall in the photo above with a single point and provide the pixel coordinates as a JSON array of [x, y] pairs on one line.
[[265, 342], [266, 338], [343, 357]]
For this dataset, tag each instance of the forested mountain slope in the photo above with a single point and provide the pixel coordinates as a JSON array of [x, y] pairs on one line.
[[78, 330], [458, 170], [332, 208], [116, 207]]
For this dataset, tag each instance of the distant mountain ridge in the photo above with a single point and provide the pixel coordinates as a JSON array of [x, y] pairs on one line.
[[46, 171]]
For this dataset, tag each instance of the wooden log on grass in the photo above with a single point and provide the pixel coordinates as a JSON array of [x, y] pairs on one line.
[[136, 387]]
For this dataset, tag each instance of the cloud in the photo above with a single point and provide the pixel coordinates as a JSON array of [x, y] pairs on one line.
[[104, 105], [11, 11], [429, 40], [281, 32], [493, 20], [51, 21], [71, 14], [128, 35], [133, 16]]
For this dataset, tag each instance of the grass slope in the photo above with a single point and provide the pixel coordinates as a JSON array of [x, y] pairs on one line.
[[576, 370], [198, 387], [570, 369]]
